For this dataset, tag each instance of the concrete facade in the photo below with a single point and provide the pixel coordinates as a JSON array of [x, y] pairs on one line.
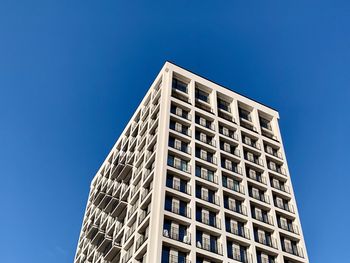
[[199, 175]]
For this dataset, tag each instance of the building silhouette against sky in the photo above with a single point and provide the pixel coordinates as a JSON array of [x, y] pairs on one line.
[[199, 175]]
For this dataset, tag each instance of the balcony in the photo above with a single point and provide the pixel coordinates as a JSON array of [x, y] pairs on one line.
[[183, 147], [140, 241], [293, 249], [231, 166], [176, 259], [265, 218], [206, 124], [206, 139], [241, 257], [224, 105], [179, 90], [257, 177], [181, 113], [174, 233], [290, 227], [129, 233], [211, 221], [266, 240], [239, 231], [179, 165], [248, 141], [113, 251], [183, 211], [241, 209], [230, 149], [275, 168], [186, 189], [143, 215], [285, 206], [273, 152], [206, 157], [233, 186], [180, 129], [254, 159], [209, 245], [214, 199], [281, 187], [211, 177], [259, 196], [228, 133]]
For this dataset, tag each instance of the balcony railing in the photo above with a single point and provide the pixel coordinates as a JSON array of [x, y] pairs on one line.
[[229, 134], [130, 232], [239, 231], [293, 228], [277, 169], [183, 212], [182, 114], [141, 240], [295, 250], [281, 187], [241, 209], [210, 141], [241, 257], [231, 150], [206, 244], [284, 206], [143, 215], [180, 94], [254, 159], [181, 129], [257, 177], [259, 196], [211, 221], [208, 176], [214, 199], [174, 233], [265, 218], [251, 143], [181, 147], [274, 153], [206, 124], [267, 241], [176, 259], [183, 189], [234, 186], [207, 157], [232, 167], [185, 167]]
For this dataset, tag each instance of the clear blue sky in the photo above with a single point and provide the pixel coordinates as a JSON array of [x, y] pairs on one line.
[[68, 87]]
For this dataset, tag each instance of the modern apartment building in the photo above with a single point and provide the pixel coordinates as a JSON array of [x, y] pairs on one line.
[[199, 175]]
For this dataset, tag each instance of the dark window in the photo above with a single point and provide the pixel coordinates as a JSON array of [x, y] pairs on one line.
[[202, 95], [179, 85]]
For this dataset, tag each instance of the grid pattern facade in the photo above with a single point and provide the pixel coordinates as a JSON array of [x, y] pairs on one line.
[[199, 175]]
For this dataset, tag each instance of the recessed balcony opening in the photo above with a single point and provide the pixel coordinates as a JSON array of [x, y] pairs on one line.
[[208, 216], [208, 242], [173, 255], [238, 252], [234, 205]]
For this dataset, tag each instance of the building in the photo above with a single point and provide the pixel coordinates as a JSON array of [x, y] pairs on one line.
[[199, 175]]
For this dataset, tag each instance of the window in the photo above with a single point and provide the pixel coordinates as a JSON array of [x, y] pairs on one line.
[[265, 123], [269, 149], [250, 156], [244, 114], [247, 140], [202, 95], [224, 105], [179, 85]]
